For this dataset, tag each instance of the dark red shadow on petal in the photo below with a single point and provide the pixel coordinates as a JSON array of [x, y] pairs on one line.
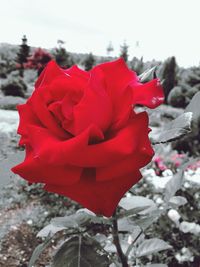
[[35, 171], [100, 197], [78, 152]]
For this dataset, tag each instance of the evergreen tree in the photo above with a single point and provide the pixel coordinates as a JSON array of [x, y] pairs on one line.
[[137, 65], [22, 55], [169, 76], [109, 49], [89, 62], [124, 51], [193, 78], [62, 57]]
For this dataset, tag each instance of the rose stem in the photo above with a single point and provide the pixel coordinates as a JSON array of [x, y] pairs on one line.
[[116, 241]]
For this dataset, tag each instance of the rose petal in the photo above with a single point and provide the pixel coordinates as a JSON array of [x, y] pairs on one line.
[[117, 79], [149, 94], [48, 121], [77, 151], [99, 197], [131, 163], [75, 70], [94, 108], [56, 110], [26, 117], [67, 85], [50, 72], [35, 171], [54, 83]]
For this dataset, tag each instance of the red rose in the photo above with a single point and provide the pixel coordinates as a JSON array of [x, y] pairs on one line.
[[82, 136]]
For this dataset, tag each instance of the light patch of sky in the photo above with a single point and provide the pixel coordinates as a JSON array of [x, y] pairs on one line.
[[162, 27]]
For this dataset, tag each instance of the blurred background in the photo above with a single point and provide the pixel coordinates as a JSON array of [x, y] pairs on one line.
[[146, 33]]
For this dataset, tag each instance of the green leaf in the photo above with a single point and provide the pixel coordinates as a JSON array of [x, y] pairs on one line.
[[100, 220], [156, 265], [148, 75], [135, 203], [79, 219], [173, 130], [145, 221], [132, 212], [101, 238], [38, 251], [151, 246], [127, 225], [173, 185], [194, 107], [177, 201], [49, 230], [115, 264], [81, 252]]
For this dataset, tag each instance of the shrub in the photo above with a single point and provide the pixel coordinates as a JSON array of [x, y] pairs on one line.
[[176, 97], [14, 86], [181, 95], [169, 75]]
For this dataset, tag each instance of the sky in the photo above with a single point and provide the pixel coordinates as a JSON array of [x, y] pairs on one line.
[[154, 29]]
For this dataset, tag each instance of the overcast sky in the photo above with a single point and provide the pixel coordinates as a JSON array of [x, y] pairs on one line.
[[162, 27]]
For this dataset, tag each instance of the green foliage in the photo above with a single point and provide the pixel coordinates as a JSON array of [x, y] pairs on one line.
[[193, 78], [148, 75], [22, 55], [109, 48], [173, 185], [7, 59], [169, 76], [150, 246], [181, 95], [13, 86], [156, 265], [177, 201], [142, 213], [124, 51], [136, 203], [62, 57], [89, 62], [3, 68], [190, 143], [192, 107], [80, 251], [137, 65], [188, 85], [174, 129], [79, 248]]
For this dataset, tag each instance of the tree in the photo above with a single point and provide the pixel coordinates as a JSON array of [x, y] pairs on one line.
[[89, 62], [109, 49], [124, 51], [38, 60], [137, 65], [62, 57], [22, 55], [169, 76], [193, 78]]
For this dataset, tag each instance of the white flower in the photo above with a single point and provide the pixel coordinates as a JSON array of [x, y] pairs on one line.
[[167, 172], [187, 227], [174, 216]]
